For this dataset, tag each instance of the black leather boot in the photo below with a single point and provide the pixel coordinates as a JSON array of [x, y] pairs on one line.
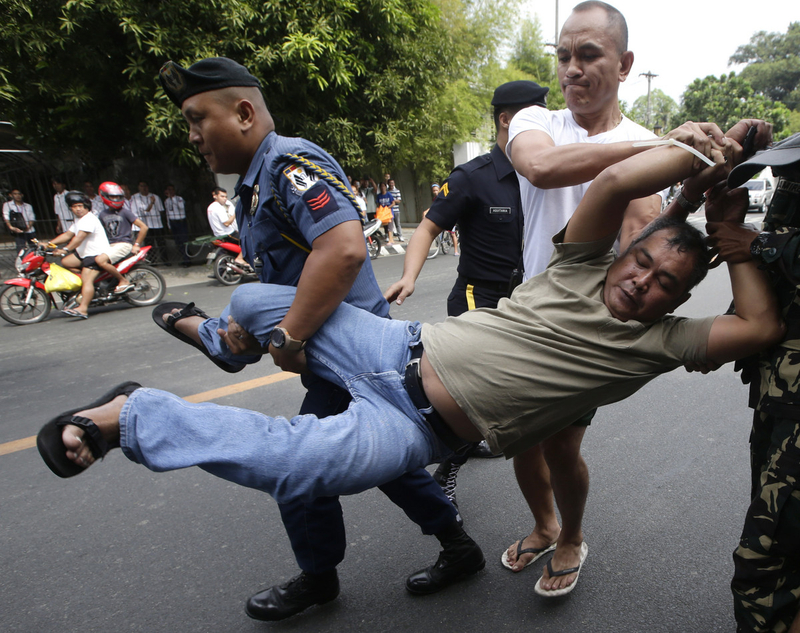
[[299, 593], [459, 559]]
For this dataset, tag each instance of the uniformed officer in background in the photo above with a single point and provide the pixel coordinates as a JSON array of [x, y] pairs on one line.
[[482, 197]]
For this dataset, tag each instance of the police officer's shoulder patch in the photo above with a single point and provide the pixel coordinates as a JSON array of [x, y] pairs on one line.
[[320, 201], [445, 190], [300, 177]]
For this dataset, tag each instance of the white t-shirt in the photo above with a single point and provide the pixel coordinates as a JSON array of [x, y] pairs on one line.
[[96, 241], [217, 214], [547, 211]]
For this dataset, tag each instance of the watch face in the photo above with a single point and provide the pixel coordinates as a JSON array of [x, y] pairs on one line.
[[277, 338]]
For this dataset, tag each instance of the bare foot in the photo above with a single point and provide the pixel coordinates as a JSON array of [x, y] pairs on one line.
[[187, 325], [106, 417], [535, 540], [566, 556]]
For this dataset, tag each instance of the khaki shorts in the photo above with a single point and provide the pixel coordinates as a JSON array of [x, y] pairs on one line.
[[117, 251]]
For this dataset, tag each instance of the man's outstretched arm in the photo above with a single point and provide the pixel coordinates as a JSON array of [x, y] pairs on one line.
[[416, 254]]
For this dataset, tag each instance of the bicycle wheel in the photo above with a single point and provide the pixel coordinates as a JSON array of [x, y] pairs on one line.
[[433, 251], [447, 242]]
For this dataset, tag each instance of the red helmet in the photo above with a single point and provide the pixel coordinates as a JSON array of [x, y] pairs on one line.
[[112, 194]]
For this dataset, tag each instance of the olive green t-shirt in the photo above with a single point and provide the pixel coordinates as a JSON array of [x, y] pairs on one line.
[[552, 352]]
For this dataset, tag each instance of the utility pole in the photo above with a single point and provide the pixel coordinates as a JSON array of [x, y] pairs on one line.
[[649, 76]]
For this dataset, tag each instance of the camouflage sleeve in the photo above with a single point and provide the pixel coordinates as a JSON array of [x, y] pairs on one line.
[[782, 252]]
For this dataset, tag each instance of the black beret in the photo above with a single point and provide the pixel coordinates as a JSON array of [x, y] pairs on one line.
[[520, 93], [207, 74], [782, 154]]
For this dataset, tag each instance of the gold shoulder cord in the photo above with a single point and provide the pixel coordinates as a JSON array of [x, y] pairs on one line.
[[322, 173]]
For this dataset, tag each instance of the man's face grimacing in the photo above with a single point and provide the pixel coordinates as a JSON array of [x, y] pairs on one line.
[[649, 280], [590, 64]]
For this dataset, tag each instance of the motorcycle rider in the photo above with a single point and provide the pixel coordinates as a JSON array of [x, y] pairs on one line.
[[118, 221], [222, 219], [85, 239]]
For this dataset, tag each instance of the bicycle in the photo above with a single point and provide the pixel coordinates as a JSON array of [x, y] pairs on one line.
[[443, 242]]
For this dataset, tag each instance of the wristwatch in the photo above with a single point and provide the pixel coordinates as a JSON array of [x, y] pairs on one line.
[[759, 244], [280, 339], [691, 207]]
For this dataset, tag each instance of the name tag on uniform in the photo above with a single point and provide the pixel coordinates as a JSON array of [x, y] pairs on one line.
[[499, 210]]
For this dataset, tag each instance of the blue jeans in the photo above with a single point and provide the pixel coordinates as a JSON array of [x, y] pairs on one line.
[[377, 439]]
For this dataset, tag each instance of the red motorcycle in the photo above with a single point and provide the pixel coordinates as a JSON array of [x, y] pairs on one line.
[[223, 261], [24, 299]]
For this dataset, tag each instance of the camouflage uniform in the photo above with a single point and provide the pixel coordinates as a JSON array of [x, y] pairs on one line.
[[766, 581]]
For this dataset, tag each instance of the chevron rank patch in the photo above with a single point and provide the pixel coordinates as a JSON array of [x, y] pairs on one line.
[[320, 201], [300, 178]]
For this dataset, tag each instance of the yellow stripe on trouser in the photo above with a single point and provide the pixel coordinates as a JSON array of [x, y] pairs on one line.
[[470, 297]]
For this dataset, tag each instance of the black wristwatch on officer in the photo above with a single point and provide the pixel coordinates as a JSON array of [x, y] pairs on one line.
[[759, 244], [279, 338]]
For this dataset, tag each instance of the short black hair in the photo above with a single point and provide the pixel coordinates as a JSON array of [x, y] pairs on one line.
[[686, 239], [615, 19], [217, 190]]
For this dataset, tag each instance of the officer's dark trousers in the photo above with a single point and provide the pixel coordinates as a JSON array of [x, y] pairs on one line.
[[316, 529]]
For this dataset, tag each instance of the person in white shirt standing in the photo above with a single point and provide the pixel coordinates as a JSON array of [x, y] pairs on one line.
[[19, 218], [221, 216], [63, 214], [85, 239], [175, 208], [148, 208], [557, 154]]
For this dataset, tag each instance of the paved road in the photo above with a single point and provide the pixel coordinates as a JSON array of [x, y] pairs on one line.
[[123, 549]]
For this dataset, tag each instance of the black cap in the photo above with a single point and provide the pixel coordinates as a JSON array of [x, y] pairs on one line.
[[207, 74], [782, 154], [520, 92]]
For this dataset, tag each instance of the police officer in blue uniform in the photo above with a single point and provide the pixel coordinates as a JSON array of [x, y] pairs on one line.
[[299, 226], [482, 197]]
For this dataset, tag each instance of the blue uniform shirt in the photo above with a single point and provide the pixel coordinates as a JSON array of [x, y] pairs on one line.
[[292, 193]]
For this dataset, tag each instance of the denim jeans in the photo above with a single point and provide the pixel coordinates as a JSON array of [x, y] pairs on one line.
[[380, 436]]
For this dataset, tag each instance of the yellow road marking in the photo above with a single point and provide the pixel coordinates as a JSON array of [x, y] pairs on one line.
[[205, 396]]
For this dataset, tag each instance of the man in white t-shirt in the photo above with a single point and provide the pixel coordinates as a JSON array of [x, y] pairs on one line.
[[557, 154], [221, 214], [85, 239]]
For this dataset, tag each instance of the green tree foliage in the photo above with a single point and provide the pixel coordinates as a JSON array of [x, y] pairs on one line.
[[529, 57], [663, 110], [726, 99], [773, 65], [366, 80]]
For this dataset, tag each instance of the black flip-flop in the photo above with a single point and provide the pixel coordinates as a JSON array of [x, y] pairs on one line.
[[51, 445], [187, 310]]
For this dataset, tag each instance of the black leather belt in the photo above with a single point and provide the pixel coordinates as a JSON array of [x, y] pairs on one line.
[[413, 384], [496, 286]]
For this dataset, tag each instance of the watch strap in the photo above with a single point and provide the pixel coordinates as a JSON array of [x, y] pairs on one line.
[[686, 204]]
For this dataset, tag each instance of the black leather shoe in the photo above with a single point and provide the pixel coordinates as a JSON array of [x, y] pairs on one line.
[[459, 559], [292, 597]]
